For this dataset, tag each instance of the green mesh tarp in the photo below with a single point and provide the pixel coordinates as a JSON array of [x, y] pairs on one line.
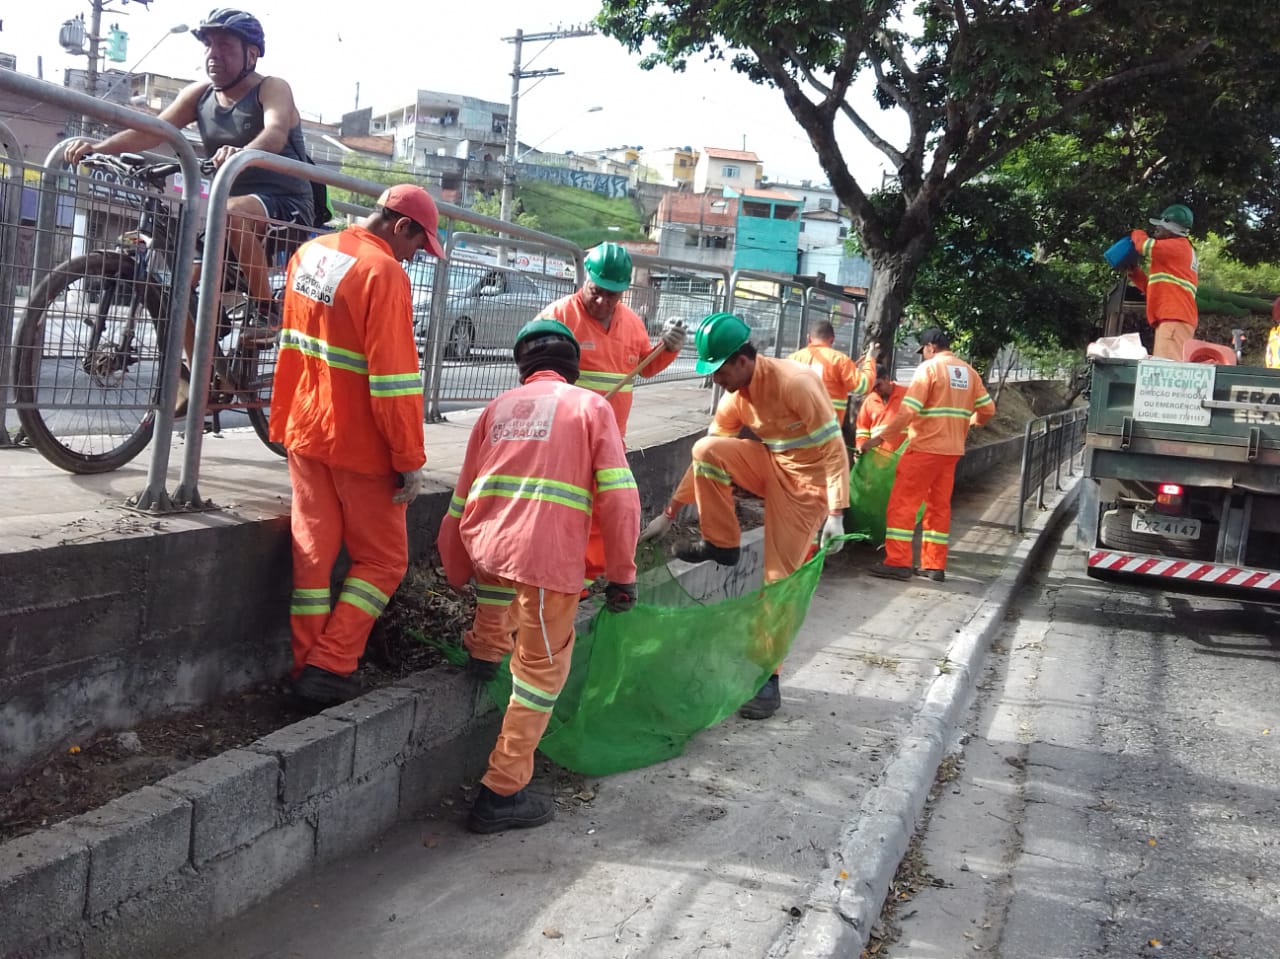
[[643, 683], [870, 482]]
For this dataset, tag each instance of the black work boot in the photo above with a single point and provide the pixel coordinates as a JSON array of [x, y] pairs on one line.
[[322, 689], [482, 669], [937, 575], [885, 571], [701, 551], [522, 810], [766, 701]]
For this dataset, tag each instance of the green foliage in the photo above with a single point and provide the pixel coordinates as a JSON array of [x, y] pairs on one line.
[[1109, 110], [365, 169], [491, 205], [1218, 268], [579, 216]]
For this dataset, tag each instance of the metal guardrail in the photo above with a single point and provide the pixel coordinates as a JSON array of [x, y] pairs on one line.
[[14, 168], [1048, 443], [154, 496]]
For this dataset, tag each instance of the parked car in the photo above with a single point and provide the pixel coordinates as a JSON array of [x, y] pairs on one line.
[[485, 308]]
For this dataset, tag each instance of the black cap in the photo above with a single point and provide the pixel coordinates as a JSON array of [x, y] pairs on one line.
[[934, 336]]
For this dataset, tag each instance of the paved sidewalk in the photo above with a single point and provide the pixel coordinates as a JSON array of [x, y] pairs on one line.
[[45, 506], [764, 838]]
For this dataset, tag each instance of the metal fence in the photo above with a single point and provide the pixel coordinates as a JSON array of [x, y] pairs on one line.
[[91, 354], [1049, 443]]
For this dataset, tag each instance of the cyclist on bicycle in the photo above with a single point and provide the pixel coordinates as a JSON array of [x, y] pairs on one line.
[[235, 109]]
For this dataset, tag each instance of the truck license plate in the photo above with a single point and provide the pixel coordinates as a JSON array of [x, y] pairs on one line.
[[1172, 527]]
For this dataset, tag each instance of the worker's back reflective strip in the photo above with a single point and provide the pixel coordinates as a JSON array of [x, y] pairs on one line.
[[532, 487], [395, 384], [599, 381], [531, 697], [612, 479], [335, 356], [947, 412], [822, 434], [489, 594], [309, 602], [1155, 278], [363, 595]]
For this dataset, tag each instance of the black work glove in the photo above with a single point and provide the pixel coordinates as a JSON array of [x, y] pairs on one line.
[[619, 597]]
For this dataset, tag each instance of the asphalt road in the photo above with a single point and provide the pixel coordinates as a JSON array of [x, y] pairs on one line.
[[1118, 791]]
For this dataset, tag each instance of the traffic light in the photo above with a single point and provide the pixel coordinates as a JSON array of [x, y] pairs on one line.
[[117, 44]]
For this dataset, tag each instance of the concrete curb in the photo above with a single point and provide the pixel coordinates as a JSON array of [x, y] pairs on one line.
[[846, 899]]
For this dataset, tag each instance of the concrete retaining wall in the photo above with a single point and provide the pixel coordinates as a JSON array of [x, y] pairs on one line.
[[101, 635], [150, 873]]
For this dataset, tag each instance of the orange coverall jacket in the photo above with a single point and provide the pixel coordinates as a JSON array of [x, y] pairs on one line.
[[522, 507], [1171, 279], [945, 394], [608, 355], [840, 375], [875, 414], [347, 389], [788, 409]]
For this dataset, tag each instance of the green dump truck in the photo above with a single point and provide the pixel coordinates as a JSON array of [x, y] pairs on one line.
[[1182, 473]]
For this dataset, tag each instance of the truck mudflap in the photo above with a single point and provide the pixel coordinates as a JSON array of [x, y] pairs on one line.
[[1105, 560]]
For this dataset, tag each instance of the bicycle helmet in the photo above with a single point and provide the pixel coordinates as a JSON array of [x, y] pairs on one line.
[[236, 22]]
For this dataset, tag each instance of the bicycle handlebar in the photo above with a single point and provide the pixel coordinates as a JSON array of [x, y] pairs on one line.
[[136, 166]]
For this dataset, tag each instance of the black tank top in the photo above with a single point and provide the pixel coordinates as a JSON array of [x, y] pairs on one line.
[[235, 126]]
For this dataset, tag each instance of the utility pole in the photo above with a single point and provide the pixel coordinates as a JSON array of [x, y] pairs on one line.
[[518, 73]]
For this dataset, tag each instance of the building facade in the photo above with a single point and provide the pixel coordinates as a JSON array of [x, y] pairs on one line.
[[718, 168]]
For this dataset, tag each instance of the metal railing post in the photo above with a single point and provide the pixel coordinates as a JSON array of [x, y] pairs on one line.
[[1023, 475], [10, 215], [155, 496]]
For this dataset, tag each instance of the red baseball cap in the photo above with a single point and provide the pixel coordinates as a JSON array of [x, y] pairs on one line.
[[412, 201]]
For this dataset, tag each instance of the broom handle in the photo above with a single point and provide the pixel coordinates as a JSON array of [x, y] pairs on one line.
[[639, 366]]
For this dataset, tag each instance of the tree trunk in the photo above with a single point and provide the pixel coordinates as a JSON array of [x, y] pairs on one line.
[[893, 274]]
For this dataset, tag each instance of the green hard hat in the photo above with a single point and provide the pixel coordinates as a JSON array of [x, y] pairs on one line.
[[1176, 219], [718, 337], [609, 266], [544, 327]]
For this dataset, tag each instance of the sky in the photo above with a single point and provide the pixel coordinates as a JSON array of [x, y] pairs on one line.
[[390, 48]]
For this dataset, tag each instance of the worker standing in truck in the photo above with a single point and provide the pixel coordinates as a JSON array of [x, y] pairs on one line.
[[1169, 281]]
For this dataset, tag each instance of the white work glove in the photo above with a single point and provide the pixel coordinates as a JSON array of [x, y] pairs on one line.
[[411, 484], [658, 526], [674, 334], [833, 527]]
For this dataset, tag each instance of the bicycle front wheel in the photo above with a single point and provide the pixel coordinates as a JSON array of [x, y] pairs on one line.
[[87, 363]]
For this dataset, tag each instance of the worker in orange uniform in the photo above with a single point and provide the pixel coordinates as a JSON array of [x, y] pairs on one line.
[[840, 375], [1272, 349], [614, 341], [347, 405], [1169, 282], [945, 398], [799, 465], [878, 410], [543, 459]]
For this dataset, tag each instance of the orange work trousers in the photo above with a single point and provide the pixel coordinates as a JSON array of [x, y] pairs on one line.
[[536, 627], [332, 507], [925, 478], [793, 513], [1171, 336]]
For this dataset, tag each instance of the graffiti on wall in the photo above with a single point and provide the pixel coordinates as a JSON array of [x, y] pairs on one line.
[[606, 184]]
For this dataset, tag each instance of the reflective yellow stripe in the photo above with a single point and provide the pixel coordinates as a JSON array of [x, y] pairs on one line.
[[899, 535], [714, 473], [599, 381], [532, 487], [612, 479], [494, 595], [531, 697], [821, 435], [309, 602], [395, 384], [335, 356], [456, 505], [841, 405], [1155, 278], [363, 595], [932, 536]]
